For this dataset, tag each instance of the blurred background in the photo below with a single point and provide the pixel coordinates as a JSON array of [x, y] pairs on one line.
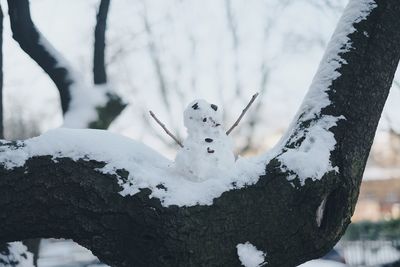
[[161, 55]]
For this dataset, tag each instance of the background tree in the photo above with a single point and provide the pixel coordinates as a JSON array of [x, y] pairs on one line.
[[75, 96], [83, 106]]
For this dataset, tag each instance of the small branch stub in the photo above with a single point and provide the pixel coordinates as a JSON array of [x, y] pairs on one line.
[[242, 114], [165, 128]]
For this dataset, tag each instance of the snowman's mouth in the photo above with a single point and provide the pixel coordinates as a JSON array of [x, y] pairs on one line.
[[215, 124]]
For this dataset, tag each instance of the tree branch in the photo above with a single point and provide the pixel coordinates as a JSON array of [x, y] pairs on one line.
[[70, 195], [33, 43], [102, 106], [165, 128], [99, 68], [242, 114]]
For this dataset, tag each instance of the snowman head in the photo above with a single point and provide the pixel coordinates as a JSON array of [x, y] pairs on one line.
[[202, 115]]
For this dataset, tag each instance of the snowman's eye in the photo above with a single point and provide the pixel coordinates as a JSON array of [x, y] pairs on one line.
[[214, 107], [205, 119], [195, 106]]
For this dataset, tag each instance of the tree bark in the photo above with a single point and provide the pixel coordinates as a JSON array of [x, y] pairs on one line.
[[99, 67], [115, 105], [72, 199]]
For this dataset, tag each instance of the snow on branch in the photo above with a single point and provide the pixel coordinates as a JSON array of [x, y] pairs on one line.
[[307, 150], [146, 167]]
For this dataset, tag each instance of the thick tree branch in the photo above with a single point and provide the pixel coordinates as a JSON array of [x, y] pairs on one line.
[[357, 96], [34, 44], [59, 195]]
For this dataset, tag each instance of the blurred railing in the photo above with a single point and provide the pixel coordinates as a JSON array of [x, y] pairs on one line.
[[370, 253]]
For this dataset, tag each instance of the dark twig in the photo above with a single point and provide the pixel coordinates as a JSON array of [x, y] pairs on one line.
[[165, 129], [242, 114]]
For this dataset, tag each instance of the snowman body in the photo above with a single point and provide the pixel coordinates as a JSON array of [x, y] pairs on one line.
[[207, 151]]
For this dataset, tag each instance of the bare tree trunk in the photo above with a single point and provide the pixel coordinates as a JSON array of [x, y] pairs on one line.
[[99, 67], [281, 214], [114, 105]]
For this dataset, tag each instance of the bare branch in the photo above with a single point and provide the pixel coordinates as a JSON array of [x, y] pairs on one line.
[[165, 129], [242, 114]]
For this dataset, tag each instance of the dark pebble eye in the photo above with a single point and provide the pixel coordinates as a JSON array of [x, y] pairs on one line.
[[205, 119], [208, 140], [209, 150], [195, 106], [214, 107]]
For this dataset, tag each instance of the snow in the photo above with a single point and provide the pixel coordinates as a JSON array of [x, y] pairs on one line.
[[146, 167], [250, 256], [322, 263], [18, 254], [84, 99], [61, 253], [311, 159], [207, 150]]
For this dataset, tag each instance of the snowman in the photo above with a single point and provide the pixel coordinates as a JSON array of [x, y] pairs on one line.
[[207, 151]]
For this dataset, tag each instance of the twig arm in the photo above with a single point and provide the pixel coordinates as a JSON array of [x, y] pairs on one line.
[[242, 114], [165, 128]]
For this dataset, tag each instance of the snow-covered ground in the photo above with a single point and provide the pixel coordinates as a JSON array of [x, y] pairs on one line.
[[322, 263], [65, 253]]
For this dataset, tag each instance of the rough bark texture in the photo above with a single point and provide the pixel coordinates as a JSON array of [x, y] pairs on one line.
[[71, 199]]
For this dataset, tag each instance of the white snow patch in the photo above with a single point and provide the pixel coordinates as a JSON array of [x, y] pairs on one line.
[[311, 159], [146, 167], [322, 263], [18, 253], [250, 256], [84, 99]]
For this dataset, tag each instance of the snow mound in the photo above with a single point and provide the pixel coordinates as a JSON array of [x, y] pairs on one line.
[[250, 256], [146, 167], [207, 151], [18, 255]]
